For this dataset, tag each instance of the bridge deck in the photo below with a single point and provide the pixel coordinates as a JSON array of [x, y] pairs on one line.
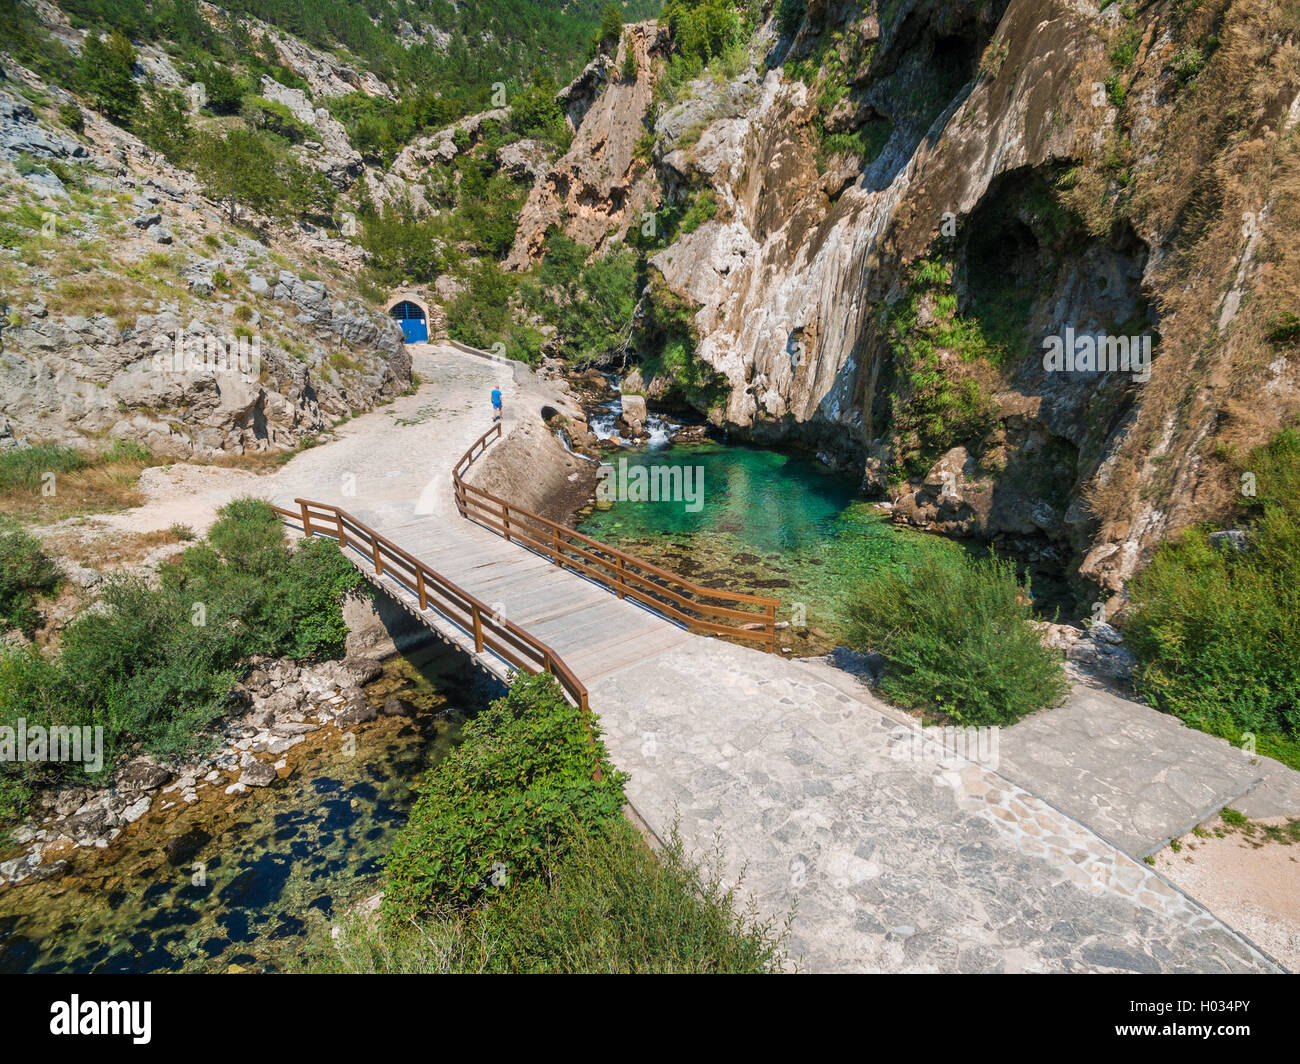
[[595, 632]]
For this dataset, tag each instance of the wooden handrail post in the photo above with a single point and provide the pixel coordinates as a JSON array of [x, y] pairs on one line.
[[622, 578], [379, 565], [419, 587], [505, 517], [555, 543], [343, 533], [478, 630], [306, 519]]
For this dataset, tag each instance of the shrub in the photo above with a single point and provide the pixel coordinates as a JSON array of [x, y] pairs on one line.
[[932, 408], [156, 664], [25, 572], [70, 115], [956, 635], [609, 905], [628, 71], [702, 29], [1215, 631], [505, 803]]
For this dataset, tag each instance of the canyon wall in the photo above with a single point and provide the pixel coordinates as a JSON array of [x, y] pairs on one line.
[[907, 199]]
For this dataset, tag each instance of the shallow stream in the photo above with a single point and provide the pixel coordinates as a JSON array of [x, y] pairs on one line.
[[246, 882]]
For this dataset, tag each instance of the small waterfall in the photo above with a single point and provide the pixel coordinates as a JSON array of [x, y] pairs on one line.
[[603, 420]]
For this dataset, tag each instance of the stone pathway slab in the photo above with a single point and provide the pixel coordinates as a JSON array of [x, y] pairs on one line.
[[1134, 775]]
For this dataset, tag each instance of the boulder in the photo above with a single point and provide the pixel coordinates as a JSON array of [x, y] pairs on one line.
[[1232, 539], [258, 774], [359, 711], [141, 776]]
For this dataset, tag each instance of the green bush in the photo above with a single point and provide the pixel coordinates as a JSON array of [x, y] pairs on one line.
[[931, 408], [70, 115], [608, 905], [503, 805], [702, 29], [25, 572], [155, 665], [956, 636], [1215, 631]]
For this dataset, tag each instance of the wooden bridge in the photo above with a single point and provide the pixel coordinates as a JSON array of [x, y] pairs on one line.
[[520, 591]]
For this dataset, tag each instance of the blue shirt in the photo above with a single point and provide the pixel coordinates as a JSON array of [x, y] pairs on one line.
[[496, 398]]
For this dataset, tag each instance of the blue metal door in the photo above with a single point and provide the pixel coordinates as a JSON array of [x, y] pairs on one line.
[[411, 319]]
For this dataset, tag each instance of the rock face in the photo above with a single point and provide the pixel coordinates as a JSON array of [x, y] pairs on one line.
[[72, 377], [20, 133], [403, 181], [983, 180], [597, 190], [330, 152]]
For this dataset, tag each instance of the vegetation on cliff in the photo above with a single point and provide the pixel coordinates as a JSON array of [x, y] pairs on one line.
[[1215, 625]]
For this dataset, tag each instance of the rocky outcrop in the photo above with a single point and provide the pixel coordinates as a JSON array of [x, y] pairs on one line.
[[953, 169], [597, 190], [175, 338], [324, 72], [329, 151], [21, 133], [177, 384], [403, 181]]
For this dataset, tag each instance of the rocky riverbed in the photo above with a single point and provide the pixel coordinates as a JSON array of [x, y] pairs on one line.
[[237, 858]]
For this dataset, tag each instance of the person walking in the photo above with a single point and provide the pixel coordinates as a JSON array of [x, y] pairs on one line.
[[496, 404]]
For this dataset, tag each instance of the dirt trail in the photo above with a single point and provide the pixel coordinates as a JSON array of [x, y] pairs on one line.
[[394, 460]]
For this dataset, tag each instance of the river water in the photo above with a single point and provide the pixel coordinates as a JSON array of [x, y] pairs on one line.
[[774, 522], [246, 883]]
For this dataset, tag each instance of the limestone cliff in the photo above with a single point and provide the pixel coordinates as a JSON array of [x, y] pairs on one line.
[[597, 190], [905, 200]]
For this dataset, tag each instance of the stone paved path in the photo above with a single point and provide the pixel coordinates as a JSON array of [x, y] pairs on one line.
[[1134, 775], [894, 864]]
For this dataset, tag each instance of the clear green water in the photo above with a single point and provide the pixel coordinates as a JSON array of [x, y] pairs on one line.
[[774, 522], [280, 864]]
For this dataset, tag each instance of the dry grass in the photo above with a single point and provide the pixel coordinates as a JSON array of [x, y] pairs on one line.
[[111, 550], [102, 485]]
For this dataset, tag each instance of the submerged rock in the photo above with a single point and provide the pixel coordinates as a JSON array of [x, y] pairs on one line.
[[258, 774]]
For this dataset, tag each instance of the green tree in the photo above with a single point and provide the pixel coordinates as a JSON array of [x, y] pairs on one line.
[[104, 71], [611, 25], [165, 124], [240, 169]]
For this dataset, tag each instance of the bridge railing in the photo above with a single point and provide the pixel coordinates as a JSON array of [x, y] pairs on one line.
[[750, 618], [433, 590]]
